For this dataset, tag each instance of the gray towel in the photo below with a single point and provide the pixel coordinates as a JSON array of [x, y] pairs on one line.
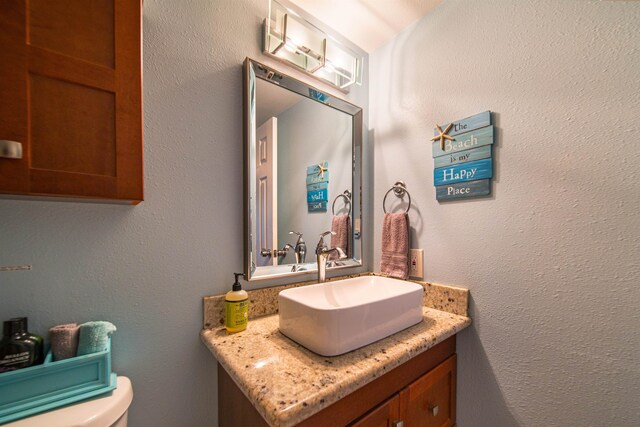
[[64, 341], [94, 337], [395, 245]]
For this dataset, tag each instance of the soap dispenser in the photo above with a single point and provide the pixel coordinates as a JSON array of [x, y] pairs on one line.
[[236, 304]]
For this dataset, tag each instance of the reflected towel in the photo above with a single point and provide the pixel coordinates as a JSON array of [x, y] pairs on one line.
[[94, 337], [395, 245], [64, 341], [341, 225]]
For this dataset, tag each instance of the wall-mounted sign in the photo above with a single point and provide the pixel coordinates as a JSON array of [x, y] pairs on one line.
[[462, 157], [318, 187]]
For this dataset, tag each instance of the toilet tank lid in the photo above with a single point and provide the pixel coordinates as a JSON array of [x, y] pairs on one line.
[[97, 412]]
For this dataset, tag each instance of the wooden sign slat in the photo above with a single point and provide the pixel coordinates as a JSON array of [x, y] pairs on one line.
[[317, 196], [317, 206], [471, 171], [314, 179], [474, 154], [466, 125], [464, 141], [462, 190], [318, 186]]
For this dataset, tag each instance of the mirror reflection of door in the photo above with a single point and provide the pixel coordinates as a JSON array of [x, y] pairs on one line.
[[267, 191]]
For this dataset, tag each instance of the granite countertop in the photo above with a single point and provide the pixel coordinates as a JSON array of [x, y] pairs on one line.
[[288, 383]]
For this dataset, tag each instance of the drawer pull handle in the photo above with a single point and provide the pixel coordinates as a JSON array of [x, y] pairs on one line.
[[398, 424], [434, 410], [10, 149]]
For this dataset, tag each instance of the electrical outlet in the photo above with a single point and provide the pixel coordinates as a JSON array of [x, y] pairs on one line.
[[416, 268]]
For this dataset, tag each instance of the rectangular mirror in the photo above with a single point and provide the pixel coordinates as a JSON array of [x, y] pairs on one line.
[[303, 156]]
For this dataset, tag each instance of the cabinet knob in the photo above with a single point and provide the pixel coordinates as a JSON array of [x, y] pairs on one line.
[[434, 410], [10, 149], [398, 424]]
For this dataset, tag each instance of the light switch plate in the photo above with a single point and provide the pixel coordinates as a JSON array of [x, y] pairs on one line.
[[416, 269]]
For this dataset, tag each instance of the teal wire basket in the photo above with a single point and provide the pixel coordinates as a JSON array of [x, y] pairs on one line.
[[29, 391]]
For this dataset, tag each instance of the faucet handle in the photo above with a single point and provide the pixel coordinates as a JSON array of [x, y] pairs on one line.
[[321, 244]]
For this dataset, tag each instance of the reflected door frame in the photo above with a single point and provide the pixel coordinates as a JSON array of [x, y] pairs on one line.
[[267, 191]]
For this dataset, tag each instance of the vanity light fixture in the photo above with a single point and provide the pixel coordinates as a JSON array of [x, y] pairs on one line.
[[293, 40]]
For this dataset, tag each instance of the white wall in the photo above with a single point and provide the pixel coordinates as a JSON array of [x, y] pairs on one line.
[[146, 268], [551, 257]]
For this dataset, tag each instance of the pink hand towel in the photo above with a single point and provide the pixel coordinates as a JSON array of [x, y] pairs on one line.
[[341, 225], [395, 245]]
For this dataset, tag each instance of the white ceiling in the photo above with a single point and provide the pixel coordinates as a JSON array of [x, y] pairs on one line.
[[273, 100], [367, 23]]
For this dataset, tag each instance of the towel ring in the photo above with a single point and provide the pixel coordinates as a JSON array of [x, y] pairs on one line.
[[399, 189], [347, 199]]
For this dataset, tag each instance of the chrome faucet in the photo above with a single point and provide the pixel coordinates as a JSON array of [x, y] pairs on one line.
[[300, 250], [322, 254]]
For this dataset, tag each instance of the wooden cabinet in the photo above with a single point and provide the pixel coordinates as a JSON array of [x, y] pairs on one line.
[[71, 86], [419, 393], [431, 400], [385, 415]]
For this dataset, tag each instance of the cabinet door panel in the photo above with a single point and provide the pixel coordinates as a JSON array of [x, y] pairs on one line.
[[14, 175], [430, 401], [385, 415], [56, 25], [72, 127], [74, 98]]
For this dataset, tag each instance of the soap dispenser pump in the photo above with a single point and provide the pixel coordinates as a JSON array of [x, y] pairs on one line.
[[236, 304]]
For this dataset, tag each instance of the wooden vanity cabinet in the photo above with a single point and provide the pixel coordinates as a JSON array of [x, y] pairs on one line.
[[71, 85], [430, 401], [420, 392]]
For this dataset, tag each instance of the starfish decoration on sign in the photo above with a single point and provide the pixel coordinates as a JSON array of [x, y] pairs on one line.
[[443, 135], [321, 170]]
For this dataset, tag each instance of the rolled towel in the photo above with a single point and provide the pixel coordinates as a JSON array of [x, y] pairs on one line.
[[94, 337], [64, 341], [341, 225], [395, 245]]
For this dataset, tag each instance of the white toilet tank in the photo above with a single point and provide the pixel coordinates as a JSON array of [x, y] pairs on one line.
[[108, 411]]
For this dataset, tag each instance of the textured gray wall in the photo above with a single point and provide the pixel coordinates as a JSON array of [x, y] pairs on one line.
[[552, 257], [146, 268]]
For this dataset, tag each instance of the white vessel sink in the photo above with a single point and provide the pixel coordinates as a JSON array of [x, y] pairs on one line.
[[333, 318]]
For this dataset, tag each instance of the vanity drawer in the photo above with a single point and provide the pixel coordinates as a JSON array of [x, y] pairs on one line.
[[431, 400], [383, 416]]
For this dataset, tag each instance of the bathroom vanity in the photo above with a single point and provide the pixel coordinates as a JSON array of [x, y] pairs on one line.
[[268, 379], [264, 378]]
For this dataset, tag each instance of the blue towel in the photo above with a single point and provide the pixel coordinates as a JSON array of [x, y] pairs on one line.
[[94, 337]]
